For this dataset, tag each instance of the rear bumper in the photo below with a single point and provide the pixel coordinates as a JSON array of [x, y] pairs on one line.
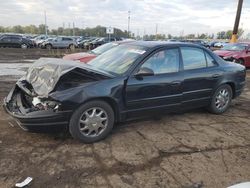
[[34, 118]]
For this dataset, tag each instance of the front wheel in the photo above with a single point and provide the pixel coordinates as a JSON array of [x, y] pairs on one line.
[[48, 46], [24, 46], [221, 99], [92, 121]]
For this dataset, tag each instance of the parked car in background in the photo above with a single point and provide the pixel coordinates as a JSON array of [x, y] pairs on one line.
[[238, 53], [83, 41], [43, 42], [60, 42], [129, 81], [220, 44], [102, 41], [15, 41], [85, 57], [88, 44], [212, 43], [38, 40], [199, 42]]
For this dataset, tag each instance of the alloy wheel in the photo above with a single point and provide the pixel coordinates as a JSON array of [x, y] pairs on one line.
[[222, 98], [93, 122]]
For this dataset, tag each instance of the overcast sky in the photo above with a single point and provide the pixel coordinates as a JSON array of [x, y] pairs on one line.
[[171, 16]]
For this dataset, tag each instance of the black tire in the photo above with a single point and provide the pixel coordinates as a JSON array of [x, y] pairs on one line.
[[48, 46], [241, 61], [213, 108], [24, 46], [74, 125], [72, 47]]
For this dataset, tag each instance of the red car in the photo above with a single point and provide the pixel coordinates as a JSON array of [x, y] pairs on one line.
[[85, 57], [238, 53]]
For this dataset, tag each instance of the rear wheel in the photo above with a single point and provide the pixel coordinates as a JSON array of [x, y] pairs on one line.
[[48, 46], [92, 121], [221, 99], [72, 47]]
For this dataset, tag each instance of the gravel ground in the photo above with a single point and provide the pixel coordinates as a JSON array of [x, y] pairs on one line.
[[188, 150]]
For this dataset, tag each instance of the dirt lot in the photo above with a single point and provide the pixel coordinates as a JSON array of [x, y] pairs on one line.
[[189, 150]]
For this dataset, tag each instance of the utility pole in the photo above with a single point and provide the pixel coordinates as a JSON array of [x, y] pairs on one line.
[[45, 20], [237, 21], [128, 22], [156, 30], [73, 28]]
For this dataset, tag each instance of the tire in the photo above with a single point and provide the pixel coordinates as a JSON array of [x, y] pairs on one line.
[[240, 61], [72, 47], [48, 46], [24, 46], [221, 100], [93, 126]]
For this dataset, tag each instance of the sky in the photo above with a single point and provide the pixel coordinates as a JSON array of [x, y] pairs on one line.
[[173, 17]]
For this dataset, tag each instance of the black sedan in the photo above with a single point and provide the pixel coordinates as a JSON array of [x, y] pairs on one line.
[[132, 80]]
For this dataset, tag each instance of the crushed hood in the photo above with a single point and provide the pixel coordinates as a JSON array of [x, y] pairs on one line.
[[45, 73]]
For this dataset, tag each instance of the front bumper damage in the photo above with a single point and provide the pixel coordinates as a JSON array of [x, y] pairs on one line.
[[19, 105], [50, 91]]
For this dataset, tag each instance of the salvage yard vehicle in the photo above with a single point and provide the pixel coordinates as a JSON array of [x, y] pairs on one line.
[[238, 53], [60, 42], [87, 56], [129, 81], [15, 41]]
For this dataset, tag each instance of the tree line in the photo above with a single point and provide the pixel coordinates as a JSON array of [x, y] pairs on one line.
[[99, 31]]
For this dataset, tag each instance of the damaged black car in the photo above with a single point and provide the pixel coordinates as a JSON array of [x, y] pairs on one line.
[[133, 80]]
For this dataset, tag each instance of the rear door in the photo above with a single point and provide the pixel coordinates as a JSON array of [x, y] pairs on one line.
[[159, 91], [201, 75], [16, 41], [57, 43]]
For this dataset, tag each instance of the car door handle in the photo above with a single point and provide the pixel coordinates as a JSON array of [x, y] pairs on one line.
[[176, 83], [216, 75]]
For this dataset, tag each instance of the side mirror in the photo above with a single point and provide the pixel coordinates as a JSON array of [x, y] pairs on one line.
[[144, 71]]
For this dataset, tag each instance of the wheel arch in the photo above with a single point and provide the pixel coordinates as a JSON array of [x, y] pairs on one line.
[[109, 101], [232, 85]]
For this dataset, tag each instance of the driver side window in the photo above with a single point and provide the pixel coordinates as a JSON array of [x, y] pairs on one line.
[[165, 61]]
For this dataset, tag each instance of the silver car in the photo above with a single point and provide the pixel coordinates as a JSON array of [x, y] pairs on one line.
[[60, 42]]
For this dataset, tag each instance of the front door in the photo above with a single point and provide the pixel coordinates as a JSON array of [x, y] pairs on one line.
[[159, 91]]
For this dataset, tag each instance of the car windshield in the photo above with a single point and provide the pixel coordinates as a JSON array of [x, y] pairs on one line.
[[117, 60], [234, 47], [104, 48]]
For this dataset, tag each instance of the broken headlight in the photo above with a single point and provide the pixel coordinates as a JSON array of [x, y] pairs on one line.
[[43, 104]]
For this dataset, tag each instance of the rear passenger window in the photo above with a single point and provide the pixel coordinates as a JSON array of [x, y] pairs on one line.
[[193, 58], [210, 60], [67, 39]]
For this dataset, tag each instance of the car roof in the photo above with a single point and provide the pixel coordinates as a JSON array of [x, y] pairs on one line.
[[152, 44]]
